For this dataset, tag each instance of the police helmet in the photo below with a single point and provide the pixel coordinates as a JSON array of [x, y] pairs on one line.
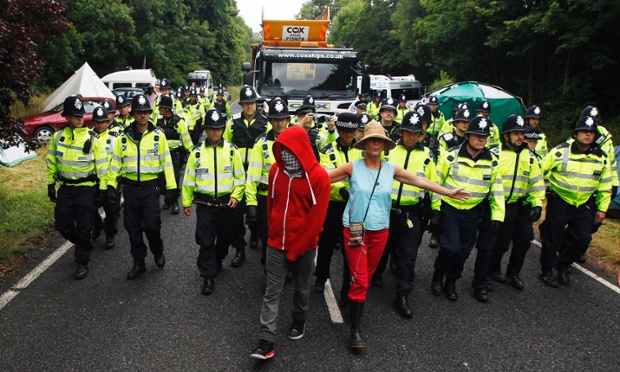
[[108, 105], [193, 93], [140, 103], [180, 95], [586, 123], [388, 104], [164, 84], [533, 112], [165, 102], [361, 105], [480, 126], [214, 119], [100, 114], [220, 92], [278, 109], [412, 122], [532, 133], [122, 101], [307, 106], [247, 94], [424, 111], [187, 88], [73, 106], [590, 111], [361, 96], [402, 98], [514, 123], [484, 106], [364, 119], [432, 100], [463, 115], [347, 120]]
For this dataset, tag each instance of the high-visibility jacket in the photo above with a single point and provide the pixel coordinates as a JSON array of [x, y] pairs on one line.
[[215, 171], [603, 140], [574, 175], [334, 155], [261, 160], [494, 140], [77, 157], [177, 107], [175, 129], [143, 160], [109, 140], [194, 114], [372, 109], [223, 107], [400, 113], [119, 124], [418, 161], [243, 133], [480, 177], [542, 148], [206, 104], [521, 176], [438, 120], [448, 141]]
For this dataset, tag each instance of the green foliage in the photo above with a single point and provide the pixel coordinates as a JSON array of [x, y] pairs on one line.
[[312, 9], [443, 80]]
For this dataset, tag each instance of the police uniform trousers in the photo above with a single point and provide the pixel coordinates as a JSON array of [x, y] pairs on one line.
[[568, 233], [404, 241], [518, 230], [109, 223], [75, 215], [328, 238], [214, 233], [457, 236], [239, 225], [142, 214], [485, 244]]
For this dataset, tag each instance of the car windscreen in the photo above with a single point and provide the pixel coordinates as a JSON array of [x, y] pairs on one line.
[[410, 94]]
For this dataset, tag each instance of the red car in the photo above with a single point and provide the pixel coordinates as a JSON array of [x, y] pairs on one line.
[[42, 126]]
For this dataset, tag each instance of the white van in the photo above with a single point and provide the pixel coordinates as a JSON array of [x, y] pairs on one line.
[[139, 78]]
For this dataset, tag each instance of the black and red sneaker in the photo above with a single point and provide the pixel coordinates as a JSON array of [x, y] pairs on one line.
[[263, 351], [297, 330]]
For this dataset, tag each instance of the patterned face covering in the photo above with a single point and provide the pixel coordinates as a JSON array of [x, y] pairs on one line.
[[291, 163]]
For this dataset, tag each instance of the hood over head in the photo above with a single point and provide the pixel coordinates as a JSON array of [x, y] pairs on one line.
[[297, 141]]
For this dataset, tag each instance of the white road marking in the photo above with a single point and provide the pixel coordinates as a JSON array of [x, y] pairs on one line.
[[330, 300], [589, 273], [7, 297]]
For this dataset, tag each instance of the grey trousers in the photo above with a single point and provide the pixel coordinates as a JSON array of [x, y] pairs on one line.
[[277, 267]]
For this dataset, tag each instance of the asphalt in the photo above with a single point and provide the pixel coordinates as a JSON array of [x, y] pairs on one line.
[[161, 321]]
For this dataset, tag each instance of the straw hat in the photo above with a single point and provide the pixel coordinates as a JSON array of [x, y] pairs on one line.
[[374, 130]]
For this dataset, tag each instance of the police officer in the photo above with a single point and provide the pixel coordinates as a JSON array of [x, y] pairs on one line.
[[242, 131], [76, 159], [203, 99], [261, 160], [141, 153], [524, 191], [305, 118], [166, 89], [260, 106], [475, 167], [360, 107], [457, 136], [493, 142], [174, 128], [438, 121], [109, 224], [338, 152], [373, 107], [405, 225], [401, 109], [531, 138], [387, 113], [123, 119], [533, 116], [214, 181], [110, 108], [222, 104], [194, 116], [579, 175]]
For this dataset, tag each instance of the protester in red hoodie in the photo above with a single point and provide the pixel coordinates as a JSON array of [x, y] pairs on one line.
[[297, 202]]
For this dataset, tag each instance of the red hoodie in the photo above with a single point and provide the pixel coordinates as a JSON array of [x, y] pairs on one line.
[[296, 206]]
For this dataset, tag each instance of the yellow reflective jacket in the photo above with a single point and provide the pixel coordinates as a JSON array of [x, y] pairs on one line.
[[332, 156], [261, 160], [418, 161], [521, 176]]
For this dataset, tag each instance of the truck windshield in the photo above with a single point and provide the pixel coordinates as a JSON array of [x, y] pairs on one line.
[[298, 79], [411, 93]]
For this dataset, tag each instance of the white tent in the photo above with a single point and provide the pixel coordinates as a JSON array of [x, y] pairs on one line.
[[15, 154], [83, 82]]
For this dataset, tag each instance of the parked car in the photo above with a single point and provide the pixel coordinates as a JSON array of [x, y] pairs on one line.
[[128, 91], [42, 126]]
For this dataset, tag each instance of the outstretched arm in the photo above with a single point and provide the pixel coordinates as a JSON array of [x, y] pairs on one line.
[[404, 176], [341, 172]]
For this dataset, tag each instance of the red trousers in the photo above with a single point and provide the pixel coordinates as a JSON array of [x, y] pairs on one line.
[[363, 261]]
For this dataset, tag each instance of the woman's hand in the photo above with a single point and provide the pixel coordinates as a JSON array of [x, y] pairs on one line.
[[460, 194]]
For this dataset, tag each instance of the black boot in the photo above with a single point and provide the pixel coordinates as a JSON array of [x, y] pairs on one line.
[[450, 290], [239, 257], [253, 241], [138, 269], [563, 277], [81, 271], [175, 208], [356, 310], [437, 283], [109, 242]]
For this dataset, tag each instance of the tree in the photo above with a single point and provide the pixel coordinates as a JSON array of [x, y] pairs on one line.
[[24, 25], [312, 9]]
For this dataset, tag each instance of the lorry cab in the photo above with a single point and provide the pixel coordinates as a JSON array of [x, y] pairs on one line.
[[201, 78]]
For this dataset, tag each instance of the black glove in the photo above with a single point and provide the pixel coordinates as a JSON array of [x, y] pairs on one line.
[[344, 192], [51, 192], [496, 226], [535, 213], [110, 197], [614, 191], [100, 198], [250, 216], [434, 222], [172, 195]]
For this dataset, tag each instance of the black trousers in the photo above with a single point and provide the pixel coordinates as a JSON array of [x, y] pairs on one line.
[[142, 215], [518, 230], [485, 244], [75, 215], [329, 237], [109, 223], [177, 155], [214, 233], [568, 233], [404, 241], [457, 236]]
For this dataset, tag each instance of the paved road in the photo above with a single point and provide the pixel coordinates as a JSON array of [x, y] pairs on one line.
[[161, 321]]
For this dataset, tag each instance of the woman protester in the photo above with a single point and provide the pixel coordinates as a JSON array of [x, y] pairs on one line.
[[367, 214]]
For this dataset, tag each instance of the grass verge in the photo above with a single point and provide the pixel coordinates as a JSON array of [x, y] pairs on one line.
[[26, 214], [604, 250]]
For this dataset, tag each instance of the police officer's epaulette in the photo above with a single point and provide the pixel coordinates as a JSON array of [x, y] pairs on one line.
[[453, 148], [562, 145], [114, 134], [326, 148], [447, 136], [197, 147], [261, 138], [94, 134], [598, 151], [236, 116]]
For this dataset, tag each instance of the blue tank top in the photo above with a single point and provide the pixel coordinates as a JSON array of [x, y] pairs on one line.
[[361, 183]]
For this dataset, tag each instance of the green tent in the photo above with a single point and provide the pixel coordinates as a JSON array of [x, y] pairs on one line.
[[503, 103]]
